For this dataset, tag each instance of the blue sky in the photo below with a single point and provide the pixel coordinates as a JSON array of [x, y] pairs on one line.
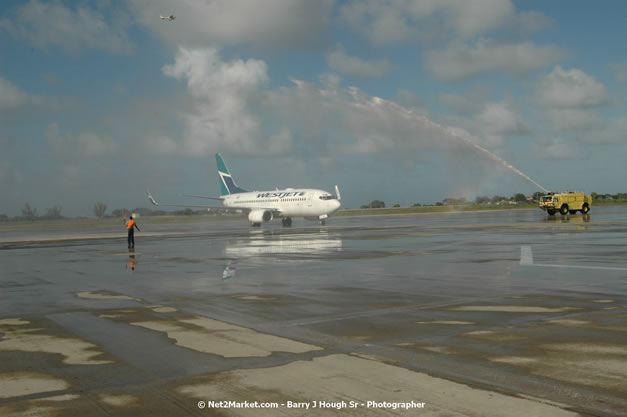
[[100, 100]]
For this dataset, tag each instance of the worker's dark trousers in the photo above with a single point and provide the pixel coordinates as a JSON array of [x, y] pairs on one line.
[[131, 238]]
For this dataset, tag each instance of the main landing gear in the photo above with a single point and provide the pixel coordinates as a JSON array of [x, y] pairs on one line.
[[286, 221]]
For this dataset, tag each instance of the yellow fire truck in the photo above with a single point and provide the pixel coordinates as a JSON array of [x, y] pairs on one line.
[[570, 202]]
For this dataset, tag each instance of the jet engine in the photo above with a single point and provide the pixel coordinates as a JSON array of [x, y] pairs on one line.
[[258, 216]]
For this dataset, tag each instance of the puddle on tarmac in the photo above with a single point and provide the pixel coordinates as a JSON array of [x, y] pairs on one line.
[[75, 351], [227, 340]]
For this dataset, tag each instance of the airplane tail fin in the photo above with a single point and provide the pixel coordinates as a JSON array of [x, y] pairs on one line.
[[227, 185]]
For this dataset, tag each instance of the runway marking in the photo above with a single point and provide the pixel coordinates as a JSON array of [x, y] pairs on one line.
[[526, 256], [526, 259]]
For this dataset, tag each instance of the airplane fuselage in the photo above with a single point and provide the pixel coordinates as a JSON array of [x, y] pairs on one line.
[[288, 203]]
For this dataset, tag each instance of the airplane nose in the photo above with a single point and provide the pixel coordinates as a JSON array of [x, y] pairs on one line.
[[337, 204]]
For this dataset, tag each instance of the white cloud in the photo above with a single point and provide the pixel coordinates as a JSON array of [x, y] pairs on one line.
[[222, 118], [529, 22], [472, 101], [85, 144], [410, 100], [573, 119], [557, 148], [11, 97], [621, 71], [460, 61], [339, 61], [51, 23], [91, 144], [268, 23], [347, 120], [390, 22], [570, 99], [570, 89], [501, 119], [9, 174], [614, 133], [234, 109], [492, 124]]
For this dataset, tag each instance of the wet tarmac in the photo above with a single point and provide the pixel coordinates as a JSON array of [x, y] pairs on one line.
[[505, 313]]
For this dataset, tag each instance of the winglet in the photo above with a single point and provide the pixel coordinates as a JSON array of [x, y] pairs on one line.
[[337, 193]]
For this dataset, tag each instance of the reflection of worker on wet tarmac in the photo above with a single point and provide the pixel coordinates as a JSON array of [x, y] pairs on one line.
[[131, 225], [131, 260]]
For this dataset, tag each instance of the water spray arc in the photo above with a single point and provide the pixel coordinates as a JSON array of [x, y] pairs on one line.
[[479, 149], [427, 127], [498, 159]]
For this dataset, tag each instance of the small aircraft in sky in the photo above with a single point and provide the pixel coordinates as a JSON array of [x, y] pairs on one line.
[[170, 17], [263, 206]]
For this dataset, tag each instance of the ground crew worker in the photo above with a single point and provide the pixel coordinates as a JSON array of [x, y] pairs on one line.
[[131, 225]]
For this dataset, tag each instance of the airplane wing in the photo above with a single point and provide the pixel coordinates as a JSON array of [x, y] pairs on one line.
[[202, 196], [223, 209], [155, 203]]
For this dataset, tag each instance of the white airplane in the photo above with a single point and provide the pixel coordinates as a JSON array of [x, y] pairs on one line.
[[263, 206], [170, 18]]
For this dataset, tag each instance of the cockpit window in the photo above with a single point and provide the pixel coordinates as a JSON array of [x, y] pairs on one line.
[[327, 197]]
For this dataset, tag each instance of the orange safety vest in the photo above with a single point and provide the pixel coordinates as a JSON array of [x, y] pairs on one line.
[[130, 224]]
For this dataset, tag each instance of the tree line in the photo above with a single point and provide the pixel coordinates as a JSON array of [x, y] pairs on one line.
[[496, 199], [30, 213]]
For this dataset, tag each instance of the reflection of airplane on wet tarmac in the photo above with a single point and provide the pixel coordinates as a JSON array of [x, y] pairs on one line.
[[263, 206], [261, 248], [282, 245], [170, 17]]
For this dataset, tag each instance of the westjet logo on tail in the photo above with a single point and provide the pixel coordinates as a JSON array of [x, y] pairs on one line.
[[281, 195]]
